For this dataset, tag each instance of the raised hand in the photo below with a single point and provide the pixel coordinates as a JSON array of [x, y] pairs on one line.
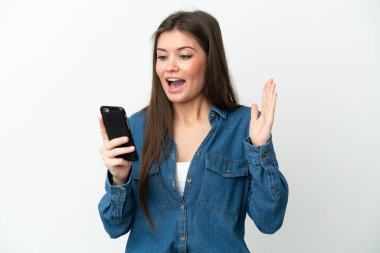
[[260, 128], [118, 167]]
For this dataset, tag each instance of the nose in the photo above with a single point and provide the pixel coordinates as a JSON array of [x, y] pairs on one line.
[[171, 64]]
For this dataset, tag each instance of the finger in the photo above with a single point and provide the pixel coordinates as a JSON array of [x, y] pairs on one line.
[[116, 162], [269, 91], [120, 151], [273, 103], [116, 142], [264, 98], [271, 94], [272, 88], [254, 113], [103, 130], [272, 107], [266, 94]]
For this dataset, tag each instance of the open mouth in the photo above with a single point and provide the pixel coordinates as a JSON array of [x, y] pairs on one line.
[[175, 82]]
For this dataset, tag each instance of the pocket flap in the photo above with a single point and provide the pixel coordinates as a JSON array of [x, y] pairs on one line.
[[227, 167]]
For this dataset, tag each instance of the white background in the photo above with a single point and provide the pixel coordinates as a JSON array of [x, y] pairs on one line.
[[61, 60]]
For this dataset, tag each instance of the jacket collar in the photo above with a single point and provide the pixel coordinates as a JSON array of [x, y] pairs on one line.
[[215, 109]]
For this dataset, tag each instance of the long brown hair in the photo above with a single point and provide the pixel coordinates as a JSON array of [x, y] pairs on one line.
[[218, 90]]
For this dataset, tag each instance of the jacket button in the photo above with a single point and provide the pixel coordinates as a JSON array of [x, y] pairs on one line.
[[189, 180], [182, 238], [173, 157], [183, 207], [226, 170], [198, 153], [173, 183]]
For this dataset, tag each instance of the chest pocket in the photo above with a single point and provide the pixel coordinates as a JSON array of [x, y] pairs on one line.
[[223, 184], [157, 200]]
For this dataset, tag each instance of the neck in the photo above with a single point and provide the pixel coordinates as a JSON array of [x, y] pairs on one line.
[[192, 111]]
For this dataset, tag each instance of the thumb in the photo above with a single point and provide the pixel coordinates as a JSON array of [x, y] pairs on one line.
[[254, 113]]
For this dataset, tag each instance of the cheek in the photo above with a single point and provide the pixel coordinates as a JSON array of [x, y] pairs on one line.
[[159, 72], [199, 73], [158, 69]]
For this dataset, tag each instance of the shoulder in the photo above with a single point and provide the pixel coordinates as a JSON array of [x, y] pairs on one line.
[[240, 113], [137, 124], [137, 118]]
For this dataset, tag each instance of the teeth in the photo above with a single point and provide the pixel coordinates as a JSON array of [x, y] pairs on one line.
[[173, 79]]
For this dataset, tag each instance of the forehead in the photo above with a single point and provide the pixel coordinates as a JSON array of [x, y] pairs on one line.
[[172, 40]]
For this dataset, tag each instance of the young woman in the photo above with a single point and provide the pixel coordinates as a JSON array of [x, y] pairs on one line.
[[205, 161]]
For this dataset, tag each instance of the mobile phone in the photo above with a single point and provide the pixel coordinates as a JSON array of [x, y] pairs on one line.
[[116, 123]]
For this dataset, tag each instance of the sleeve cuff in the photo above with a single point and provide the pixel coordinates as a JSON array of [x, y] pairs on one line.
[[263, 154], [118, 192]]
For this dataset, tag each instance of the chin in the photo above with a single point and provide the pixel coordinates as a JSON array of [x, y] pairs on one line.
[[176, 100]]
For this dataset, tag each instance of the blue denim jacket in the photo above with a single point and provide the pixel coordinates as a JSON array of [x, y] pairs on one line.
[[228, 178]]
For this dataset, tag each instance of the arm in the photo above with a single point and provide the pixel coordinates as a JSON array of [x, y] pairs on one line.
[[268, 189], [116, 208]]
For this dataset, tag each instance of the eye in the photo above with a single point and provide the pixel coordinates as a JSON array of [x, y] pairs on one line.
[[185, 56], [162, 57]]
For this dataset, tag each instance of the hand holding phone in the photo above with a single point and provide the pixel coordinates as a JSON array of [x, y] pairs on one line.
[[118, 149], [116, 123]]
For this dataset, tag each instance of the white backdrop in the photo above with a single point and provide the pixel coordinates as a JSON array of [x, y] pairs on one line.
[[61, 60]]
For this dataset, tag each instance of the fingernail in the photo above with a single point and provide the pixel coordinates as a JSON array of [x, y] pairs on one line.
[[132, 148], [125, 139]]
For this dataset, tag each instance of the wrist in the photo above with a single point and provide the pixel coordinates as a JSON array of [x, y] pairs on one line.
[[258, 142], [116, 181]]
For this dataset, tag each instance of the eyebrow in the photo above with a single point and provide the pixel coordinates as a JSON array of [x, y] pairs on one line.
[[178, 49]]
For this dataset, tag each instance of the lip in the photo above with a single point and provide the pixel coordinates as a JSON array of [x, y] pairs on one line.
[[174, 89], [177, 89], [173, 77]]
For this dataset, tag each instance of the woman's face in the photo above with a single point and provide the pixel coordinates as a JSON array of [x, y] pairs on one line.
[[181, 66]]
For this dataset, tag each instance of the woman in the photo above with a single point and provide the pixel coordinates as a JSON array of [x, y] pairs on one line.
[[205, 161]]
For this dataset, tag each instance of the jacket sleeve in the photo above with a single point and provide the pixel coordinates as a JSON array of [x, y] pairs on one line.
[[116, 208], [268, 189]]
